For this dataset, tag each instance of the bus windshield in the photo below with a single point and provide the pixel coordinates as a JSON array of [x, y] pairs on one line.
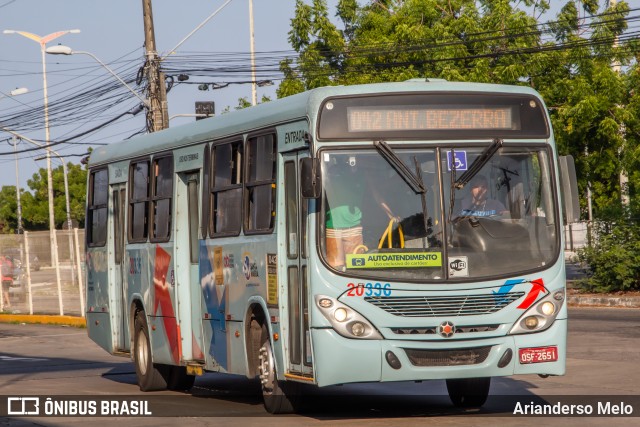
[[376, 224]]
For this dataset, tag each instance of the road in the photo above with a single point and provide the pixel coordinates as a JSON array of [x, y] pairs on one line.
[[602, 366]]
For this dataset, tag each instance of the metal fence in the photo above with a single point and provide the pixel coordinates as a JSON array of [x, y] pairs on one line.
[[576, 236], [42, 286], [41, 283]]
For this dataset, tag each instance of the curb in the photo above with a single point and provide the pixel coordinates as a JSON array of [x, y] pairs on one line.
[[596, 301], [44, 319]]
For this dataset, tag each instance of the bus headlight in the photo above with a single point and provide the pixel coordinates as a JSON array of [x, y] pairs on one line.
[[539, 316], [345, 320], [340, 314]]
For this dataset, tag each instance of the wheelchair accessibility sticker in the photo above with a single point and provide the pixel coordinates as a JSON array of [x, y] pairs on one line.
[[459, 160], [394, 260]]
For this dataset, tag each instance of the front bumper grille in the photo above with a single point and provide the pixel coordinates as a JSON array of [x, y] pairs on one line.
[[457, 357], [434, 330], [444, 306]]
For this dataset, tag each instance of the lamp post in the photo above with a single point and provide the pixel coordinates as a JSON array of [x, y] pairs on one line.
[[66, 50], [42, 41], [65, 175]]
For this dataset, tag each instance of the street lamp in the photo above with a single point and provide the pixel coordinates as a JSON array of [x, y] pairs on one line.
[[42, 41], [15, 92], [66, 50]]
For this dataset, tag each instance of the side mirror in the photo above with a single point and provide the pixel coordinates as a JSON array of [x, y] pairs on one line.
[[569, 185], [310, 178]]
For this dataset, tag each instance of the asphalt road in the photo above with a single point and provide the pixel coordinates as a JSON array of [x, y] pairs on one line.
[[603, 360]]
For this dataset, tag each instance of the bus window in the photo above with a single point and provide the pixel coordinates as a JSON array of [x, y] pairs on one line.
[[192, 186], [138, 201], [97, 208], [204, 221], [161, 198], [292, 209], [226, 189], [260, 186]]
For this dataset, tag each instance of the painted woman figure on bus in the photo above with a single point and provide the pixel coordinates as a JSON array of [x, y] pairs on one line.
[[345, 188], [478, 202]]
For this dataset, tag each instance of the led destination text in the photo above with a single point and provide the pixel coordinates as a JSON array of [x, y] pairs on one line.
[[362, 119]]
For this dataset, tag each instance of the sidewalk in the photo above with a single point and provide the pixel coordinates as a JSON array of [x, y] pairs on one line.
[[43, 319], [631, 300]]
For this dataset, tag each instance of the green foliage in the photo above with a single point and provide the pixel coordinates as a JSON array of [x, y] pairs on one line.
[[35, 204], [245, 103], [614, 258], [594, 109]]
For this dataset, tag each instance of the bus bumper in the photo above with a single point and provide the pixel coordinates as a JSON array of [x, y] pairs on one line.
[[339, 360]]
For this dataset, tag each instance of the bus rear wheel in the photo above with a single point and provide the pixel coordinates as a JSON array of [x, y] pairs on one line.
[[279, 397], [468, 392], [150, 377]]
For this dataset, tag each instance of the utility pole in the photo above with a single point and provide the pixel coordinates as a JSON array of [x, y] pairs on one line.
[[19, 210], [254, 97], [157, 114], [624, 178]]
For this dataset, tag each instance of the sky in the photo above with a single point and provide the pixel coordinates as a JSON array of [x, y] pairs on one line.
[[113, 31]]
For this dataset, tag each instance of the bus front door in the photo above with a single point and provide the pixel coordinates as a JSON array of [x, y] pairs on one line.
[[299, 360], [187, 274], [121, 322]]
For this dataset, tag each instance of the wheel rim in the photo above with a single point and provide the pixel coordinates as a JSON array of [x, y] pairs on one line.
[[267, 369], [141, 353]]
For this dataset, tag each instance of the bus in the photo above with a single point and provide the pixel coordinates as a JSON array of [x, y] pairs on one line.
[[337, 236]]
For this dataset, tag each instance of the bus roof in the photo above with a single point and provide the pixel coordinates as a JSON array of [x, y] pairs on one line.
[[301, 106]]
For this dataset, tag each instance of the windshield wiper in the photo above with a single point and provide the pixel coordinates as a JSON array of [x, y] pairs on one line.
[[413, 180], [478, 164], [396, 163]]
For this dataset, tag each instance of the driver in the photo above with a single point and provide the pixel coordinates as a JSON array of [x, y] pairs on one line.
[[478, 202]]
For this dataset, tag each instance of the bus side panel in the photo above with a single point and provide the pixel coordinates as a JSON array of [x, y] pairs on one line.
[[231, 275], [154, 277], [98, 288], [214, 305]]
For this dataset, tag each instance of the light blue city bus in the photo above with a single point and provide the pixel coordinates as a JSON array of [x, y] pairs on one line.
[[386, 232]]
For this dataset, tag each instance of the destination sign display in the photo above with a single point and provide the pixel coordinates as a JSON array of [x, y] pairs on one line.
[[432, 116], [400, 118]]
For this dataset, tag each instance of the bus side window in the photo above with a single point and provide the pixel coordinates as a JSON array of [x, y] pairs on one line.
[[138, 201], [162, 189], [225, 212], [97, 208], [260, 185]]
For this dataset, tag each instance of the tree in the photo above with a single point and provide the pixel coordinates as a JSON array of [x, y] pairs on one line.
[[568, 61], [8, 209], [35, 204]]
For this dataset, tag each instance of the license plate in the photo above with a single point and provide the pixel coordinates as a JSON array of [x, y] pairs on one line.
[[538, 354]]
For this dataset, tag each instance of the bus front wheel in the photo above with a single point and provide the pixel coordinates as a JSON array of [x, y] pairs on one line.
[[279, 397], [149, 375], [468, 392]]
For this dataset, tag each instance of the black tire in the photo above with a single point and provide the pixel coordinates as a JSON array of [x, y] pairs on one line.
[[468, 392], [151, 377], [279, 397], [178, 379]]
